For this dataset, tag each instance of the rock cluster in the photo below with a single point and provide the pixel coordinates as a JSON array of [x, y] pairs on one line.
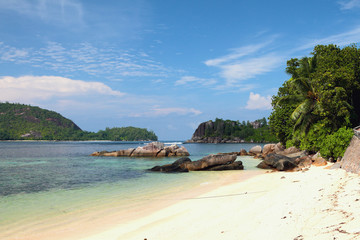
[[213, 162], [278, 158], [154, 149]]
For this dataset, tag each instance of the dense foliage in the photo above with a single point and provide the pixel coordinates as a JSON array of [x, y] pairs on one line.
[[257, 131], [24, 122], [317, 107], [123, 134]]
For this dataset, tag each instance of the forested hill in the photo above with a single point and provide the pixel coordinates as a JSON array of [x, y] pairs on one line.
[[228, 131], [19, 121], [25, 122]]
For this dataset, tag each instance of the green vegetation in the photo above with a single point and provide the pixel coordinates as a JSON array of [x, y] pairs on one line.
[[123, 134], [24, 122], [317, 107], [257, 131]]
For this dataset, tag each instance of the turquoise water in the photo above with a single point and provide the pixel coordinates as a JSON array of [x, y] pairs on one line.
[[43, 180]]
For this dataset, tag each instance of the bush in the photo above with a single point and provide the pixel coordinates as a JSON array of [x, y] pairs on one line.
[[334, 145]]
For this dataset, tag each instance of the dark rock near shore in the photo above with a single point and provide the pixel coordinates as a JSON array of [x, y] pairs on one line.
[[213, 162], [210, 161], [238, 165], [277, 161], [177, 166]]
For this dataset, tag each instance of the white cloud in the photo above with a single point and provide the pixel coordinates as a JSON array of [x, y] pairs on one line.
[[64, 11], [249, 68], [349, 4], [28, 88], [258, 102], [245, 63], [235, 54], [342, 39], [191, 79], [158, 111], [11, 54], [86, 58]]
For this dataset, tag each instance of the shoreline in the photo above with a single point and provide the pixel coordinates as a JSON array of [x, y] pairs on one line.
[[82, 221], [314, 204]]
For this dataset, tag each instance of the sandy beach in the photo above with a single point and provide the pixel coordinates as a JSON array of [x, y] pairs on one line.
[[316, 204], [320, 203]]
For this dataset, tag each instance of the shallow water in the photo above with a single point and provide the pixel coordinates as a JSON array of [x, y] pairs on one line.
[[43, 180]]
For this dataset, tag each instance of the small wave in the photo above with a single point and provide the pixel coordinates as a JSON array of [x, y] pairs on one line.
[[170, 143]]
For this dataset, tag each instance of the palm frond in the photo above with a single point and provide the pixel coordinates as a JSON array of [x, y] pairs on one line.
[[301, 109]]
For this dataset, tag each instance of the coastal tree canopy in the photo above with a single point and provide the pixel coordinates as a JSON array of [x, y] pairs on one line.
[[320, 100]]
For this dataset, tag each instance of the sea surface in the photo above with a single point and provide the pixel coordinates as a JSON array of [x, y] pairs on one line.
[[42, 180]]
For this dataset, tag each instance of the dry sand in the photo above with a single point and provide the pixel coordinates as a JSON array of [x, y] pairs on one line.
[[315, 204]]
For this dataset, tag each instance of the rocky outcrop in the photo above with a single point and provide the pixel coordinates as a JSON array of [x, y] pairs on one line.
[[351, 160], [291, 159], [277, 161], [201, 133], [213, 162], [154, 149]]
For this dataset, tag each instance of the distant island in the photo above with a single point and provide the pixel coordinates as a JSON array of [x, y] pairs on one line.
[[25, 122], [228, 131]]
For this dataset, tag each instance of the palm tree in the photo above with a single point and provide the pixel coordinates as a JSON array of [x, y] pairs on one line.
[[304, 97]]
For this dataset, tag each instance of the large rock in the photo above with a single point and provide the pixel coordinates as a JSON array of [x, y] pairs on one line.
[[210, 161], [150, 150], [285, 164], [237, 165], [243, 152], [255, 150], [291, 150], [213, 162], [304, 162], [154, 149], [296, 154], [318, 160], [279, 148], [351, 160], [178, 166], [268, 148], [277, 161]]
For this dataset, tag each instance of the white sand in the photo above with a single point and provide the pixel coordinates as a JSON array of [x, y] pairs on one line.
[[316, 204]]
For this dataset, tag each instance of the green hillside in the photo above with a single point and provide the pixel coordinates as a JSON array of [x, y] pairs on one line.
[[25, 122], [233, 131]]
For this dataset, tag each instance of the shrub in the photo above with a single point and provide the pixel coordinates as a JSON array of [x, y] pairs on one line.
[[334, 145]]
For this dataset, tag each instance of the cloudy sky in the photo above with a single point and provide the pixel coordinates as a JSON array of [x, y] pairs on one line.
[[164, 65]]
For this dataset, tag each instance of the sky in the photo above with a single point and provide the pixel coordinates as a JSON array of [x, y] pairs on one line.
[[164, 65]]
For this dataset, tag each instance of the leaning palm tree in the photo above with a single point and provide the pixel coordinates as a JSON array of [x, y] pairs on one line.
[[304, 97], [308, 109]]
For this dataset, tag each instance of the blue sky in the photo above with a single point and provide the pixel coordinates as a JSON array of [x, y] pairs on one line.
[[161, 65]]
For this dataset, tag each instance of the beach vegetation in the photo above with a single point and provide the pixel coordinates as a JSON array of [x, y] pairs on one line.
[[317, 107]]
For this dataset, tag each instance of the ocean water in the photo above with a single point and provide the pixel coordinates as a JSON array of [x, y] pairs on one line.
[[40, 181]]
